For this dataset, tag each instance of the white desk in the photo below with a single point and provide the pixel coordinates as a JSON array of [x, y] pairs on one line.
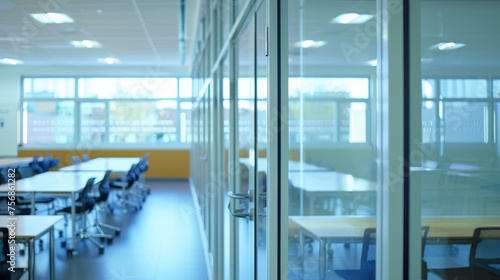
[[117, 165], [315, 184], [69, 183], [292, 165], [31, 228], [14, 161], [348, 229]]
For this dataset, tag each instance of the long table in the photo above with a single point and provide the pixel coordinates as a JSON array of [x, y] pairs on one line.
[[56, 182], [14, 161], [350, 229], [32, 228], [325, 184], [293, 166], [117, 165]]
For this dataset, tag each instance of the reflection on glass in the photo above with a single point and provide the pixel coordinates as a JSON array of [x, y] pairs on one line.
[[49, 122], [109, 88], [332, 149], [49, 87], [456, 167], [93, 122]]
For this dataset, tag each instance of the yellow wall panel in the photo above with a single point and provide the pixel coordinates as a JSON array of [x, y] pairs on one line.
[[163, 163]]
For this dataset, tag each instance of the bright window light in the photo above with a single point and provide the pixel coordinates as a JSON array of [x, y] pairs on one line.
[[309, 44], [351, 18], [52, 18], [372, 62], [446, 46], [108, 60], [11, 61], [86, 44]]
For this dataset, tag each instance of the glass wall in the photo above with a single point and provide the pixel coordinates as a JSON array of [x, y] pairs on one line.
[[332, 159], [454, 137]]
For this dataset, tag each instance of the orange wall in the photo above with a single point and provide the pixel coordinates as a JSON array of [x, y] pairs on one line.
[[162, 163]]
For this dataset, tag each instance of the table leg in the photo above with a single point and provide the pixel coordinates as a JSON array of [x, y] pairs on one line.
[[51, 254], [301, 243], [33, 208], [31, 260], [322, 259], [73, 223]]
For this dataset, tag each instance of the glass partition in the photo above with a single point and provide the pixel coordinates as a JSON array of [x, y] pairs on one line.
[[332, 149], [454, 137]]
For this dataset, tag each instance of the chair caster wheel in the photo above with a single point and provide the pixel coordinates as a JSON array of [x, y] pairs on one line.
[[60, 234], [148, 191], [63, 244], [101, 251], [110, 241], [22, 252], [70, 252], [117, 233]]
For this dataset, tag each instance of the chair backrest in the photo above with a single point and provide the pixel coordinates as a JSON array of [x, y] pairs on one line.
[[145, 156], [425, 232], [104, 186], [54, 163], [485, 246], [25, 172], [35, 164], [85, 157], [4, 175], [4, 245], [45, 164], [87, 201], [368, 254], [75, 159]]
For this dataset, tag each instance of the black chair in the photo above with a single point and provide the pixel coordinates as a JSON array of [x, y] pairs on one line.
[[368, 256], [54, 163], [104, 191], [45, 163], [85, 157], [84, 205], [126, 188], [5, 273], [26, 172], [75, 159], [484, 258], [35, 164], [143, 167]]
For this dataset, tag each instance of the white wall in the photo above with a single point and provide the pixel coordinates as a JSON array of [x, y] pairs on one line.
[[10, 89]]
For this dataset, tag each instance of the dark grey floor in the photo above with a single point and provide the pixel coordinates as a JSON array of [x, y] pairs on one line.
[[160, 242]]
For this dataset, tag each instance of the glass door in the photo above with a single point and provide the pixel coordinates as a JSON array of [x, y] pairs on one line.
[[248, 145], [242, 191]]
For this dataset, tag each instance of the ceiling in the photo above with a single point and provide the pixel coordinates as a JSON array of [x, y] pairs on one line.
[[137, 32]]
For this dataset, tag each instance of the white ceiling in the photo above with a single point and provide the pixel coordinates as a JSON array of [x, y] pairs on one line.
[[137, 32]]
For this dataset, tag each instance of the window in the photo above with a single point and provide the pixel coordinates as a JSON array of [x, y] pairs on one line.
[[458, 111], [325, 111], [106, 111]]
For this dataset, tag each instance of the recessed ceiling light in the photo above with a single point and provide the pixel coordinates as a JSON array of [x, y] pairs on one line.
[[11, 61], [351, 18], [309, 44], [446, 46], [48, 18], [86, 44], [109, 60]]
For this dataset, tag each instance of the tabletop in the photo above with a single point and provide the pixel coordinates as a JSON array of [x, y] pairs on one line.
[[115, 164], [345, 227], [292, 165], [30, 226], [54, 182], [14, 161], [330, 181]]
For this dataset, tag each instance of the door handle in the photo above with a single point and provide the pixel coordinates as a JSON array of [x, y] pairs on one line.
[[238, 195], [240, 213]]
